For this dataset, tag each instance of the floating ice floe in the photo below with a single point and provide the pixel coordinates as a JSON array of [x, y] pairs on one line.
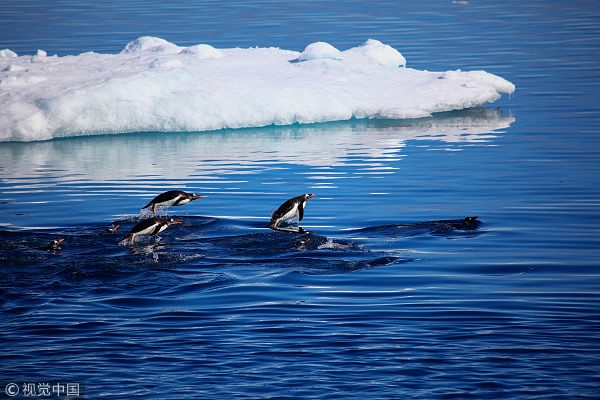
[[154, 85]]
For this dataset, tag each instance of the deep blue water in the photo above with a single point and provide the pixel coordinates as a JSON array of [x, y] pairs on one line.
[[382, 301]]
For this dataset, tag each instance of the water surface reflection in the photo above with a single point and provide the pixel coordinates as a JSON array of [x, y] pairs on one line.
[[180, 155]]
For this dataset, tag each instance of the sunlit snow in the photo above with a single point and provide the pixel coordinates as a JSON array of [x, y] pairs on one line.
[[155, 85]]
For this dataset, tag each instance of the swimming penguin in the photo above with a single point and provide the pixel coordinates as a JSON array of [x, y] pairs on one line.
[[172, 198], [289, 209], [466, 224], [149, 227], [112, 229], [53, 245], [301, 243]]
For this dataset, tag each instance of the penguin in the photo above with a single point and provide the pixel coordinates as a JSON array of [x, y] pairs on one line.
[[112, 229], [301, 243], [466, 224], [289, 209], [53, 245], [149, 227], [172, 198]]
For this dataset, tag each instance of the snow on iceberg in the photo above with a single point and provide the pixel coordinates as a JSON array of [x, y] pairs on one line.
[[155, 85], [319, 51]]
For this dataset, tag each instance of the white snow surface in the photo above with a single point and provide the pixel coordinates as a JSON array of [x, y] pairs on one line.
[[154, 85]]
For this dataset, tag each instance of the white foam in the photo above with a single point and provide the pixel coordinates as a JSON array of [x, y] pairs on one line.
[[155, 85]]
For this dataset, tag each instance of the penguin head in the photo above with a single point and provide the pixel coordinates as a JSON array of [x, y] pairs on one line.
[[173, 221], [54, 244], [308, 196], [196, 196], [113, 228]]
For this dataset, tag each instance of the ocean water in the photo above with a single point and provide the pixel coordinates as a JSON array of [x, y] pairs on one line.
[[388, 295]]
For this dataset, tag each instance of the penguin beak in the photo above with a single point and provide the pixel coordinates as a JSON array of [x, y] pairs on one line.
[[59, 241], [310, 196], [197, 196], [176, 221]]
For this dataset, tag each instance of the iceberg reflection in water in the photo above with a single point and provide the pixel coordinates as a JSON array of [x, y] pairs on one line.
[[198, 154]]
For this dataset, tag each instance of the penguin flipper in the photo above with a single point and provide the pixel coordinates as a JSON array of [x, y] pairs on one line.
[[300, 213], [156, 230], [127, 240]]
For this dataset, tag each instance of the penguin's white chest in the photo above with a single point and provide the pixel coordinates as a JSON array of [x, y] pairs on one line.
[[175, 201], [293, 211], [162, 228]]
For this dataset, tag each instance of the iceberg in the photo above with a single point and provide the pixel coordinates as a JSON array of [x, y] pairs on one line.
[[153, 85]]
